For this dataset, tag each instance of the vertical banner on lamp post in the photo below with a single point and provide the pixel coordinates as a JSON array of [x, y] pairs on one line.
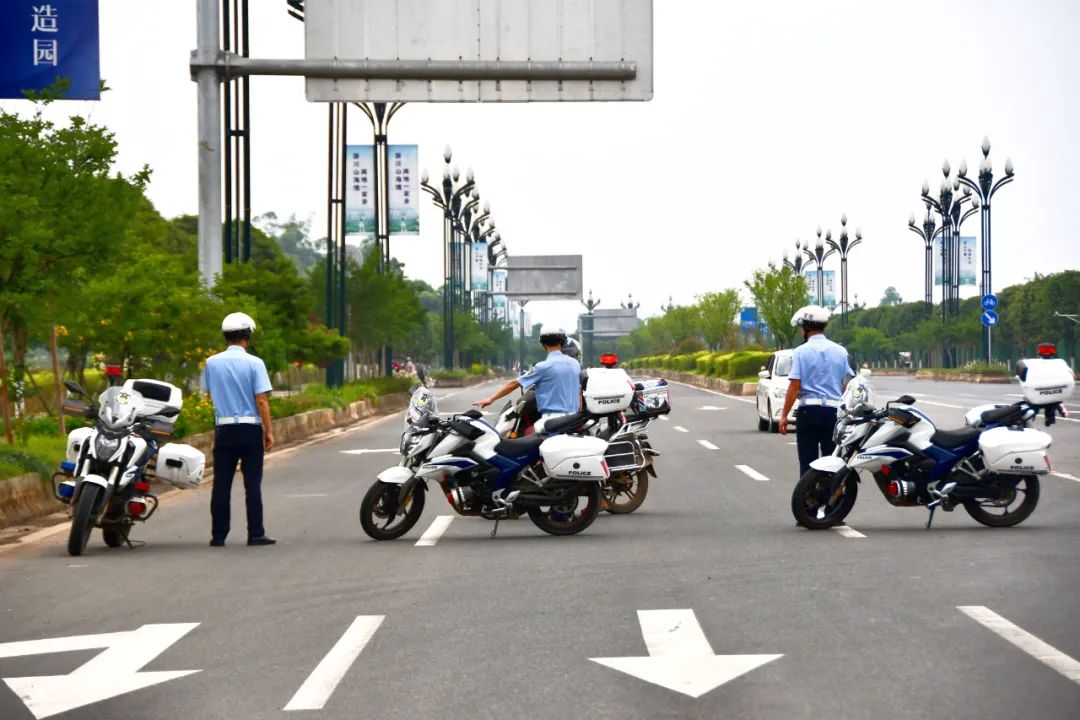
[[498, 292], [968, 272], [479, 267], [41, 40], [811, 287], [830, 288], [404, 192]]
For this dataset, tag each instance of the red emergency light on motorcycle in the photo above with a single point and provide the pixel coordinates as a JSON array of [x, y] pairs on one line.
[[1047, 350], [609, 360]]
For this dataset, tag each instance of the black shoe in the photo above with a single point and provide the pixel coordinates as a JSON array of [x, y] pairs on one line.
[[262, 540], [217, 543]]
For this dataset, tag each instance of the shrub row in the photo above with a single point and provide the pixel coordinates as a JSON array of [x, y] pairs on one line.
[[740, 365]]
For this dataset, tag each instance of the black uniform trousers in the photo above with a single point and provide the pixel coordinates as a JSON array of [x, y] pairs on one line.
[[814, 433], [234, 444]]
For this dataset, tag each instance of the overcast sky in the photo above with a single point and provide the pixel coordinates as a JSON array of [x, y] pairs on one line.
[[769, 118]]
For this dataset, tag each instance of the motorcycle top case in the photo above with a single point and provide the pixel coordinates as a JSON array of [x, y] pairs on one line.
[[651, 398], [1045, 382], [1009, 451], [608, 390], [180, 465], [75, 440], [157, 395], [575, 458]]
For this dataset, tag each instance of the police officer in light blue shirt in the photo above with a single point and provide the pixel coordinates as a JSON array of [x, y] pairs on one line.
[[819, 373], [557, 379], [240, 390]]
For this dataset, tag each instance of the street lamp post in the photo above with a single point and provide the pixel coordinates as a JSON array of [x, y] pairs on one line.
[[985, 189], [818, 255], [928, 233], [446, 199], [798, 263], [587, 332], [843, 247]]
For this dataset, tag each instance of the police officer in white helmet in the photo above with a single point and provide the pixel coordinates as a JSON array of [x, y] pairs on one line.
[[240, 389], [819, 372], [557, 378]]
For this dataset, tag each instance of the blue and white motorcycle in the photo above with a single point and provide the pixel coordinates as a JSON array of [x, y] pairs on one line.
[[991, 466], [556, 480]]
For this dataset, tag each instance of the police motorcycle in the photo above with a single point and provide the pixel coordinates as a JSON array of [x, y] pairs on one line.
[[621, 421], [991, 466], [103, 478], [555, 480]]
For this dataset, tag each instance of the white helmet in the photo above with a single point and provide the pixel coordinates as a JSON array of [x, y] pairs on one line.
[[808, 314], [552, 335], [237, 322]]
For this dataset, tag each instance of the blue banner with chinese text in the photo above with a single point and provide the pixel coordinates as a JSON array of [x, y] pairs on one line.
[[41, 40]]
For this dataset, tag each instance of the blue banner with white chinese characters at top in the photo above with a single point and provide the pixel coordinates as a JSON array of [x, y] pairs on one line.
[[41, 40]]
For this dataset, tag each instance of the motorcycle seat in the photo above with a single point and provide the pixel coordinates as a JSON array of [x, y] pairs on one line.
[[517, 447], [954, 438], [1001, 414], [565, 423]]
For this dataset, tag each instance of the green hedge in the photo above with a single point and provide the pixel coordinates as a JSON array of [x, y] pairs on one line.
[[740, 365]]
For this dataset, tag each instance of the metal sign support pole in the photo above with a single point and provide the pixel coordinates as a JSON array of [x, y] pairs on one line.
[[209, 140]]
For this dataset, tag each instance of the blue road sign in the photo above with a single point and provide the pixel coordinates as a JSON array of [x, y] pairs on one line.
[[989, 302], [748, 318], [989, 318], [43, 39]]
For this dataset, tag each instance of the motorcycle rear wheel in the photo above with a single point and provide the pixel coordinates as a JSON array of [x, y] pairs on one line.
[[567, 517], [380, 505], [82, 522], [626, 495], [811, 507], [981, 510]]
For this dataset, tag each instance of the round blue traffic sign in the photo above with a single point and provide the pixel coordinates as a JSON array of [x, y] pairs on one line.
[[989, 302], [989, 318]]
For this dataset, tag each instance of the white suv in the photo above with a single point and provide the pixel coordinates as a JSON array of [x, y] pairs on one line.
[[772, 389]]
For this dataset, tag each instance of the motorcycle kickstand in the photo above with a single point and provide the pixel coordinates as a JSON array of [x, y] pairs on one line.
[[495, 529], [930, 519]]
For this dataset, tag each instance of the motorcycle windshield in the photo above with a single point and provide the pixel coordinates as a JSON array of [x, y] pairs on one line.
[[422, 405], [119, 408]]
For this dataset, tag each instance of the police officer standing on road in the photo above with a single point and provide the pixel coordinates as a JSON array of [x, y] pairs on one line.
[[819, 373], [240, 390], [557, 379]]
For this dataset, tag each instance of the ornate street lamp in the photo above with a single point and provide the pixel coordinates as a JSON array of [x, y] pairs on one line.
[[799, 262], [587, 332], [818, 255], [985, 189], [843, 247], [928, 233]]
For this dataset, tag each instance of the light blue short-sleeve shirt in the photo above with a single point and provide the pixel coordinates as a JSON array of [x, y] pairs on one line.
[[558, 383], [234, 378], [821, 366]]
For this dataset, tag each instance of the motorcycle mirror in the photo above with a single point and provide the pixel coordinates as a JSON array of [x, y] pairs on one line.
[[865, 372], [905, 400], [472, 414], [168, 412], [74, 387], [764, 374]]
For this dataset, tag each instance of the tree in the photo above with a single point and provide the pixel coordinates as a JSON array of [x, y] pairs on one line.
[[891, 297], [778, 294], [293, 236], [717, 311]]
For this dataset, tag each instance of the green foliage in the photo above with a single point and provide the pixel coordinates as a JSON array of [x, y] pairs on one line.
[[42, 454], [778, 293], [891, 297], [717, 312]]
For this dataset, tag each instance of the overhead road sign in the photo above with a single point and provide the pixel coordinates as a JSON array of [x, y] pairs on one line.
[[478, 50], [611, 322], [543, 277]]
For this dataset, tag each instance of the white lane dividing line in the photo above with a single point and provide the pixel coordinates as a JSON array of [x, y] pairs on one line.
[[712, 407], [324, 679], [940, 404], [665, 418], [1024, 640], [1068, 419], [707, 445], [366, 451], [680, 428], [751, 472], [848, 532], [435, 531], [1066, 476]]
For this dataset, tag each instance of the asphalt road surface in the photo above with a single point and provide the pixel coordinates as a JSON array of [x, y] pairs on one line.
[[742, 613]]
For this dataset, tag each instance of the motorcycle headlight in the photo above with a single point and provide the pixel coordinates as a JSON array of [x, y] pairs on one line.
[[105, 447]]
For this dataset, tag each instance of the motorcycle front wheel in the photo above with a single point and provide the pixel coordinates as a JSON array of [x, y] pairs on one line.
[[571, 514], [82, 521], [383, 517], [1012, 505], [813, 506], [625, 493]]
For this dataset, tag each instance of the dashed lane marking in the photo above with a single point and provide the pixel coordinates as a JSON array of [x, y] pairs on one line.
[[366, 451], [751, 472], [1066, 476], [665, 418], [941, 404], [435, 531], [712, 407], [680, 428], [848, 532], [326, 676], [1024, 640], [707, 445]]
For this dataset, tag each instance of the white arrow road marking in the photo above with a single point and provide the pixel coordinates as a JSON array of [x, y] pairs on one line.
[[751, 472], [324, 679], [112, 672], [366, 451], [680, 428], [1066, 476], [433, 533], [680, 657], [707, 445], [1024, 640], [848, 532]]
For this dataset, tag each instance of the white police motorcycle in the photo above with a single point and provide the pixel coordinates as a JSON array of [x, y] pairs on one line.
[[103, 477]]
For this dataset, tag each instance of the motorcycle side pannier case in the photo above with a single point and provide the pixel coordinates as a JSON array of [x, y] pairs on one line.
[[75, 440], [180, 465], [1015, 452], [608, 391], [575, 458], [651, 398], [1045, 382]]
